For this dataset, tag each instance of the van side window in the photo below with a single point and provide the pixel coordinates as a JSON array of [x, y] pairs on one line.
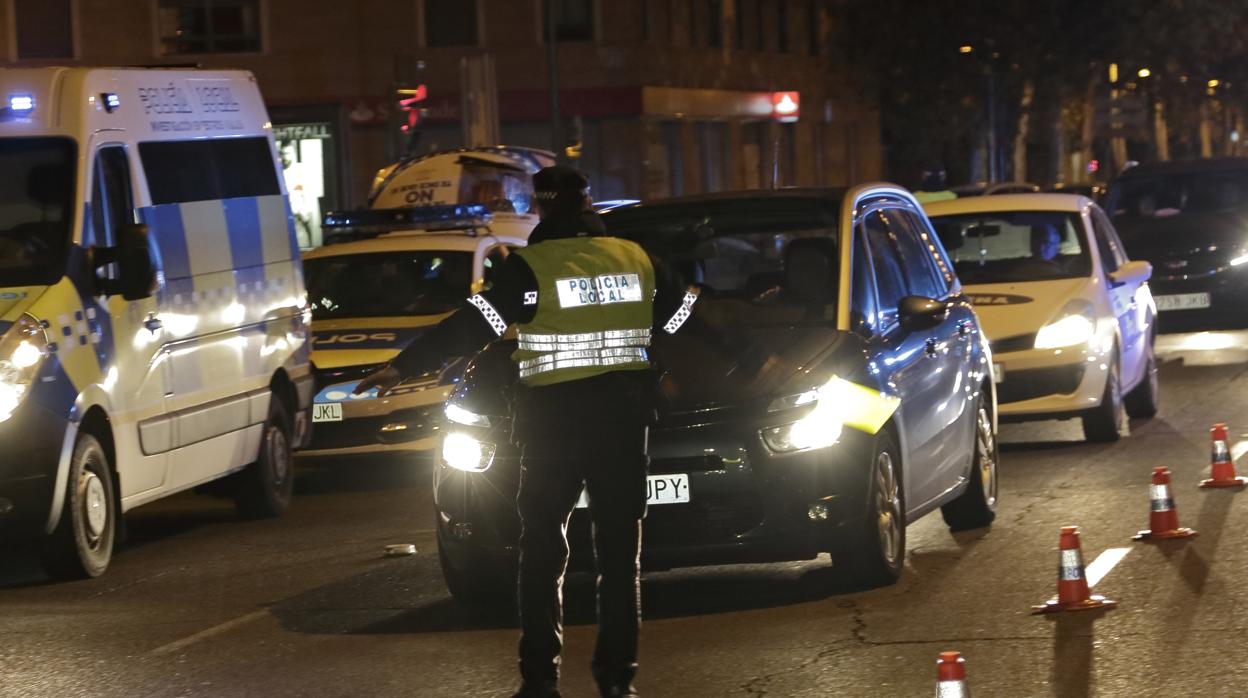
[[224, 168], [112, 202]]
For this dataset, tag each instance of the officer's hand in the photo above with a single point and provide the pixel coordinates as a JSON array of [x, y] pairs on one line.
[[383, 380]]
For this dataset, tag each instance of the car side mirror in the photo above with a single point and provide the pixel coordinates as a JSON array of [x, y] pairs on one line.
[[135, 264], [1133, 272], [921, 313]]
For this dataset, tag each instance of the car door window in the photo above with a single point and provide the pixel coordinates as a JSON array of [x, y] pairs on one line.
[[862, 317], [886, 262], [917, 264], [1107, 243], [928, 240]]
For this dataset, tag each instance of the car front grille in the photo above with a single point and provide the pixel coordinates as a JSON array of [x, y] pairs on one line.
[[706, 522], [1020, 342], [1038, 382], [686, 464]]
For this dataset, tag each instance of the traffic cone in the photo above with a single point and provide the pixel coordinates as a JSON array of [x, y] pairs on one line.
[[1163, 520], [951, 676], [1072, 584], [1223, 468]]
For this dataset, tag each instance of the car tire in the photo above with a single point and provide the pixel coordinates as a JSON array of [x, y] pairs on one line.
[[875, 549], [1103, 423], [265, 487], [1143, 400], [81, 547], [976, 507], [475, 581]]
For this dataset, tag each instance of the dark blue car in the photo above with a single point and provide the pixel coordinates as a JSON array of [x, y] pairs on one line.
[[835, 386]]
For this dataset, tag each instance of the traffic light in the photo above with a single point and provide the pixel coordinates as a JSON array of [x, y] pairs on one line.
[[409, 103]]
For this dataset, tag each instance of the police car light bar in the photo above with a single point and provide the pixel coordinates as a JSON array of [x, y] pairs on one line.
[[429, 218], [21, 103]]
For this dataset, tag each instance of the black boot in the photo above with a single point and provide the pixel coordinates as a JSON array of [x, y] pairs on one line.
[[617, 690], [545, 689]]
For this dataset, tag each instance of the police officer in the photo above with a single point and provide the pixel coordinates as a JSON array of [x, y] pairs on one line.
[[585, 306]]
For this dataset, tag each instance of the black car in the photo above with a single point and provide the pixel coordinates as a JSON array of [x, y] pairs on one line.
[[1190, 220], [834, 387]]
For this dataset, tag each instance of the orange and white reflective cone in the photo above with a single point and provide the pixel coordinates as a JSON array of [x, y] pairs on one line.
[[1163, 519], [1072, 582], [951, 676], [1222, 470]]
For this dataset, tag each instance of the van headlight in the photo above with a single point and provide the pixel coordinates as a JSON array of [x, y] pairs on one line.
[[463, 452], [1074, 325], [22, 350]]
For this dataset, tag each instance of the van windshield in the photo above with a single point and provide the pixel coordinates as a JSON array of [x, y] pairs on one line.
[[384, 284], [36, 208]]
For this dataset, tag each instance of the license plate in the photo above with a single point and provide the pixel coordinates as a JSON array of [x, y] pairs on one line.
[[327, 412], [1182, 301], [660, 489], [998, 373]]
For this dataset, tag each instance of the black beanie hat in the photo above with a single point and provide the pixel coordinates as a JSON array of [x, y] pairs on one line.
[[560, 187]]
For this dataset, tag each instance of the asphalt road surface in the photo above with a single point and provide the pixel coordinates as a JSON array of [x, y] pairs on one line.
[[199, 603]]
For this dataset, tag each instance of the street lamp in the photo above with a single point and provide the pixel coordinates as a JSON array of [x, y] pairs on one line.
[[965, 48], [1144, 72]]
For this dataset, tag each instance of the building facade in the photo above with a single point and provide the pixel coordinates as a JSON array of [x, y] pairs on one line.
[[663, 97]]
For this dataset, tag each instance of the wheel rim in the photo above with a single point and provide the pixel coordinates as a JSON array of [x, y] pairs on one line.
[[888, 507], [279, 455], [94, 503], [986, 447]]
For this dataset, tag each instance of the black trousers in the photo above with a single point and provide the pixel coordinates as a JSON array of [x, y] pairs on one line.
[[603, 452]]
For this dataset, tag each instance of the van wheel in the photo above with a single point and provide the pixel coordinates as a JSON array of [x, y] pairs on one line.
[[1103, 423], [1143, 400], [977, 506], [82, 544], [875, 549], [266, 486]]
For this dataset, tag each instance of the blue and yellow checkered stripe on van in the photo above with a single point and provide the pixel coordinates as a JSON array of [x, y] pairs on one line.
[[226, 263]]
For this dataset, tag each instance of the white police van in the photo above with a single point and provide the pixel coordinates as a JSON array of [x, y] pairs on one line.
[[153, 320]]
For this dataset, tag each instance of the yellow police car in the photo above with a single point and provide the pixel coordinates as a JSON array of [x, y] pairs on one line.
[[371, 297]]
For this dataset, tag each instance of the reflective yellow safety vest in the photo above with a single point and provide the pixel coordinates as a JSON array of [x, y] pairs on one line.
[[595, 308]]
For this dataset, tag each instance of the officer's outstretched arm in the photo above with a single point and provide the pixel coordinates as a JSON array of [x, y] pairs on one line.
[[477, 321]]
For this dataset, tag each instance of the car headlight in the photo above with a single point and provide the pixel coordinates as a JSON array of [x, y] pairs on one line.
[[463, 452], [22, 350], [1074, 325], [468, 418], [819, 428]]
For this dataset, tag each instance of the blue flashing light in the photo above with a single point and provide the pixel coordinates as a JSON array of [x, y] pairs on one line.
[[111, 101], [466, 217], [21, 103]]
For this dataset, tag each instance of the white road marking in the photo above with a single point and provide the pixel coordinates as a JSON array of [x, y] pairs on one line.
[[1238, 450], [1103, 563], [210, 632]]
